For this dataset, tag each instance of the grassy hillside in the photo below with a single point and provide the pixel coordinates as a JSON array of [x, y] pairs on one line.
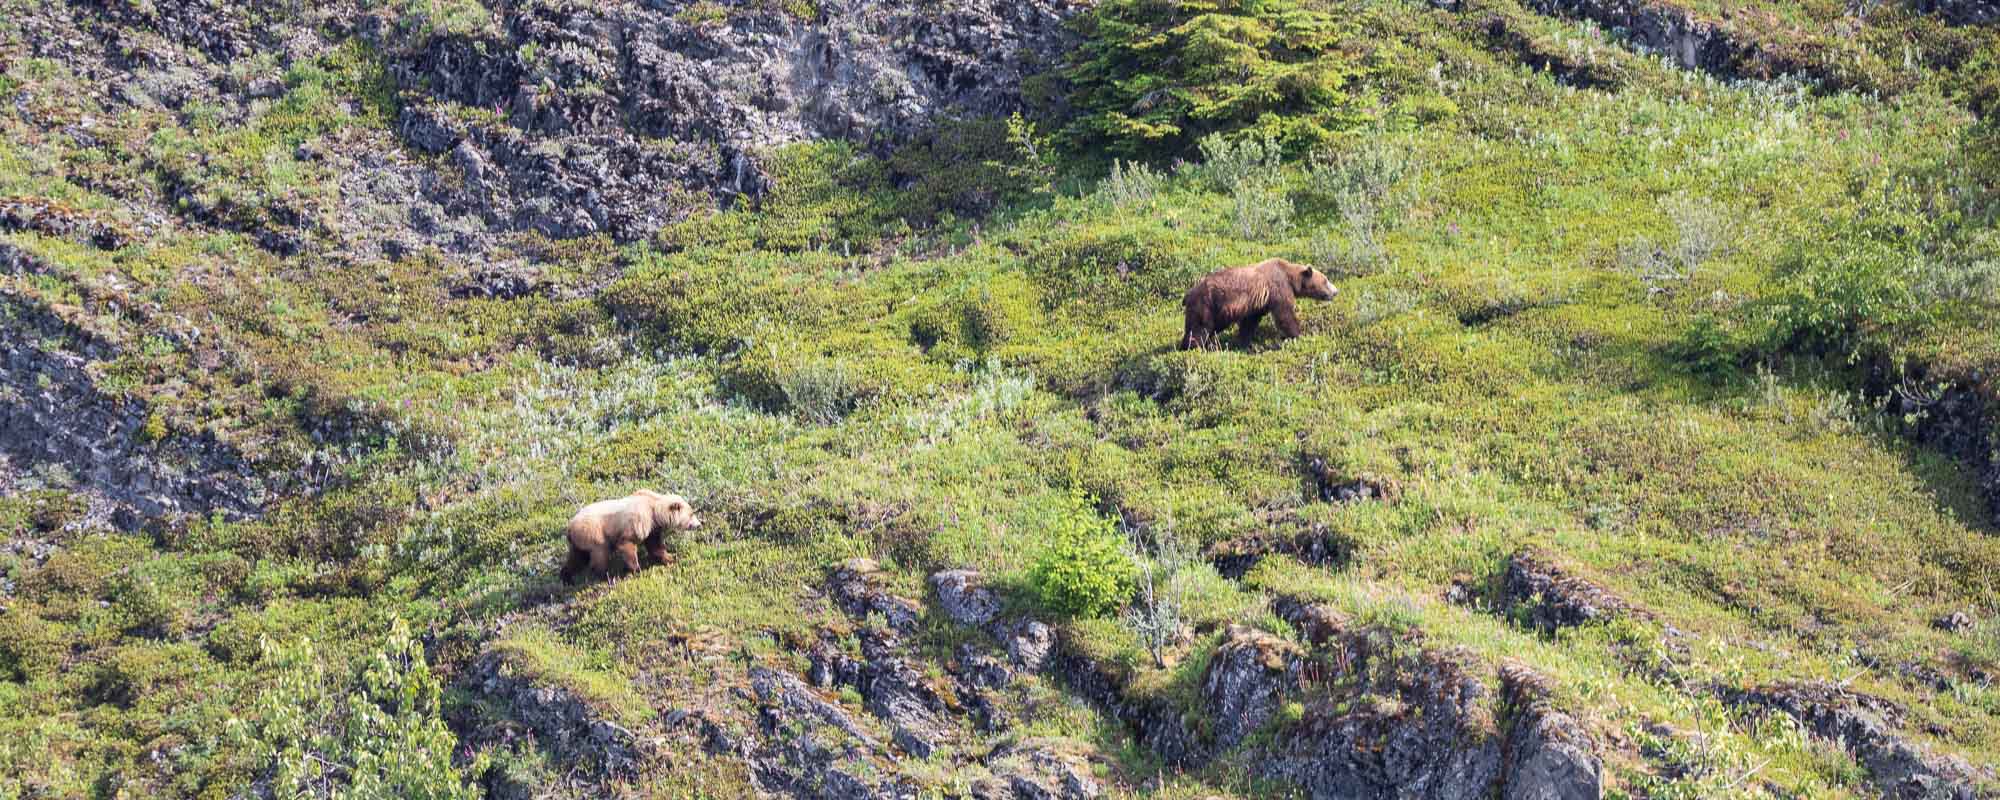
[[1687, 340]]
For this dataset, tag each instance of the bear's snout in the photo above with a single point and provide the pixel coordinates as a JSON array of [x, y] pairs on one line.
[[694, 522]]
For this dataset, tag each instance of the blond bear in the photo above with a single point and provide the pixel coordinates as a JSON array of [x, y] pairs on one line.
[[619, 526]]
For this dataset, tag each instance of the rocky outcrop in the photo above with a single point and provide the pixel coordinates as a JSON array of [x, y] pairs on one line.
[[1689, 40], [965, 597], [587, 115], [563, 724], [1961, 12], [1416, 722], [1548, 756], [807, 747], [1312, 543], [1865, 727], [1417, 729], [1541, 594], [55, 421], [1247, 680], [856, 587], [1037, 770], [41, 216], [1332, 487]]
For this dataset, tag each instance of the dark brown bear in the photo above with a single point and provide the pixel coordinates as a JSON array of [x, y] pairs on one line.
[[1241, 296]]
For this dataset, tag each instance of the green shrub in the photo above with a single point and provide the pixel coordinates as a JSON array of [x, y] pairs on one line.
[[1837, 292], [384, 740], [1227, 162], [1131, 184], [1708, 349], [1155, 76], [1084, 570], [822, 391], [962, 166]]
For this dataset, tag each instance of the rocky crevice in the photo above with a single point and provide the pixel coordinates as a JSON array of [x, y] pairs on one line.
[[1960, 12], [1689, 40], [56, 422], [1956, 415], [1379, 718], [1538, 592], [1864, 727], [561, 723], [577, 120], [806, 745]]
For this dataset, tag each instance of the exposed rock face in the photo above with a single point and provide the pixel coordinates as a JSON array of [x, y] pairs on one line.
[[1961, 12], [1429, 739], [1536, 588], [1961, 418], [1690, 41], [1548, 755], [808, 747], [1247, 680], [603, 108], [1035, 770], [1333, 487], [562, 722], [1864, 726], [856, 588], [564, 119], [1313, 544], [1156, 724], [965, 598], [1416, 724], [54, 418]]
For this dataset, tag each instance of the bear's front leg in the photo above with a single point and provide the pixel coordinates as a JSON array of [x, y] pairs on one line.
[[1288, 320], [628, 554]]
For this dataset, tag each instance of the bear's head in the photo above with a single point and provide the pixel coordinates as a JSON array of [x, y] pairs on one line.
[[670, 510], [1309, 282]]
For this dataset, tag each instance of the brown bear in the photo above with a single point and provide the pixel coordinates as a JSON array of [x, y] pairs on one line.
[[1241, 296], [618, 526]]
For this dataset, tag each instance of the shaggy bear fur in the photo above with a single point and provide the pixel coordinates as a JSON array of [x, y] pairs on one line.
[[619, 526], [1241, 296]]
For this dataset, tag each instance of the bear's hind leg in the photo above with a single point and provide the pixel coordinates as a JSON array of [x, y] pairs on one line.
[[578, 561], [628, 555], [1246, 331]]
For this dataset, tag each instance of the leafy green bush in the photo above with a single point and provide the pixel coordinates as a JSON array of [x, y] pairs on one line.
[[1708, 349], [1227, 162], [1838, 291], [821, 392], [1131, 183], [385, 740], [1084, 571], [1155, 76]]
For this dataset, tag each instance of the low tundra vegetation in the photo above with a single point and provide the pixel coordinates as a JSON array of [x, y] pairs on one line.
[[1642, 323]]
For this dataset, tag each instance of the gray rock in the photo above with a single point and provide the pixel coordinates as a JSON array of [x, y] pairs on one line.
[[55, 420], [1961, 12], [564, 724], [1036, 771], [1247, 680], [1865, 726], [965, 598], [1029, 643], [856, 587], [1534, 586], [1549, 756], [1955, 622]]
